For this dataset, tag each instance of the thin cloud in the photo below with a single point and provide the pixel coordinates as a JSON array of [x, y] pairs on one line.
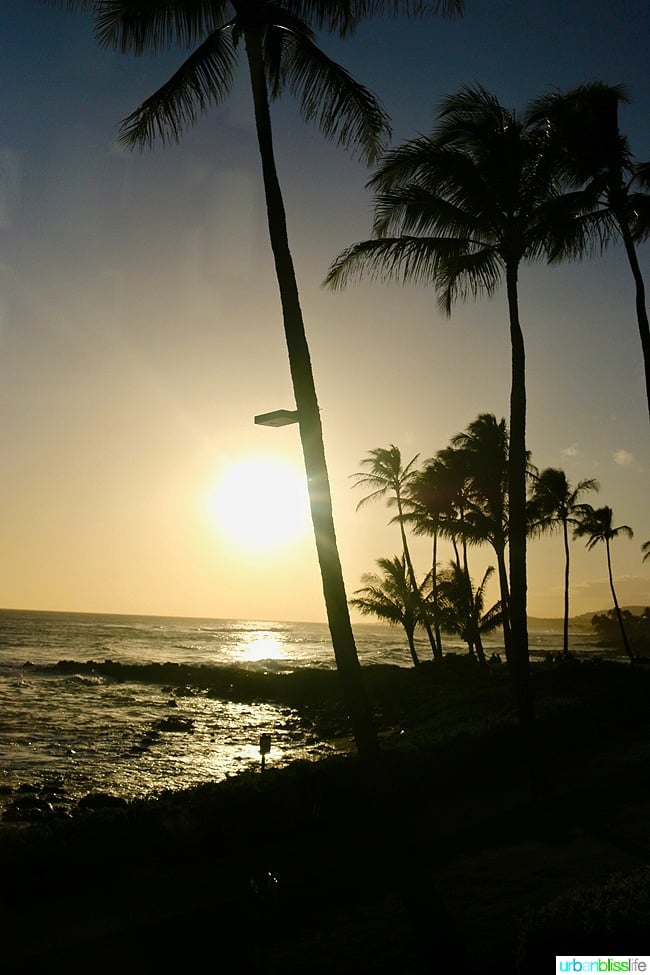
[[624, 458], [571, 451]]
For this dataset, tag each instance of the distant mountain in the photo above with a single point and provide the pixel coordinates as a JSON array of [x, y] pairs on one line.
[[580, 622], [635, 610]]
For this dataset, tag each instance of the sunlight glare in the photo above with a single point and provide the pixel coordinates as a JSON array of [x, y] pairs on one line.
[[263, 646], [260, 504]]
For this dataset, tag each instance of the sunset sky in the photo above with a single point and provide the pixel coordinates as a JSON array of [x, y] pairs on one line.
[[140, 327]]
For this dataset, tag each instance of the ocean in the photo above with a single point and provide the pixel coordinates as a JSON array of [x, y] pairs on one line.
[[69, 732]]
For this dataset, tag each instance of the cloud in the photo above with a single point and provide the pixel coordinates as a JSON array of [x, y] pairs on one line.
[[571, 451], [624, 458]]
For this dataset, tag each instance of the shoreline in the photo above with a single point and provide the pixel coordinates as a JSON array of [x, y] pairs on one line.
[[160, 876], [309, 703]]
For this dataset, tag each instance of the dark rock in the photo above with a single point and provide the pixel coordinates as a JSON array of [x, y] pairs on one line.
[[175, 724], [101, 800], [27, 809]]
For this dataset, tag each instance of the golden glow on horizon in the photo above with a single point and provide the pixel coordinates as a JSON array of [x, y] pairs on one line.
[[260, 505]]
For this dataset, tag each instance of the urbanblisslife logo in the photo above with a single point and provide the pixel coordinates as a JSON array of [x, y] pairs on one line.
[[602, 963]]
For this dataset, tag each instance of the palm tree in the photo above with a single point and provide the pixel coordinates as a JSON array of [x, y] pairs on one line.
[[464, 208], [553, 504], [425, 504], [390, 597], [596, 524], [484, 445], [645, 548], [463, 608], [281, 54], [582, 129], [389, 479]]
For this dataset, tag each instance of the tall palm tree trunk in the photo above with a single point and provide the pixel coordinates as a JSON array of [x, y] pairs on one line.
[[436, 594], [641, 310], [311, 435], [517, 521], [437, 655], [565, 625], [469, 598], [505, 598], [410, 634], [480, 652], [619, 615]]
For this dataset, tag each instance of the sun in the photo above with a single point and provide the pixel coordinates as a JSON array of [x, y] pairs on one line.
[[260, 504]]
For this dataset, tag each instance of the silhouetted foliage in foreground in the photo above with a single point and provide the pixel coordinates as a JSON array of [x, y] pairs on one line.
[[613, 914]]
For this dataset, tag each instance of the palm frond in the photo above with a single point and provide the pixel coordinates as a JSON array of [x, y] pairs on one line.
[[638, 208], [141, 26], [414, 210], [204, 79], [597, 524], [471, 104], [409, 162], [413, 259], [642, 175], [274, 50], [572, 236], [346, 112], [492, 619], [373, 496], [446, 172], [544, 109], [460, 275]]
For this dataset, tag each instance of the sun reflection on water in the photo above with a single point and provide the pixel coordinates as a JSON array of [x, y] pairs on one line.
[[261, 646]]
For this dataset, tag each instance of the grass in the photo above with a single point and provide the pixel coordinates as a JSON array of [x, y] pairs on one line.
[[321, 868]]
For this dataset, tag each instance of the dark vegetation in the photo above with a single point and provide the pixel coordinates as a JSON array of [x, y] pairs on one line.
[[637, 628], [322, 867]]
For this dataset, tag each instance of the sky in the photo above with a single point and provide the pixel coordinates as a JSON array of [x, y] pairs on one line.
[[140, 327]]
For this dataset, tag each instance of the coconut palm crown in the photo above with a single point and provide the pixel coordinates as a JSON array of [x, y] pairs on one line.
[[390, 597], [597, 525], [555, 504], [582, 130], [389, 478]]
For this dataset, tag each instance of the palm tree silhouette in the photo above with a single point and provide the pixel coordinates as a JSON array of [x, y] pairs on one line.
[[390, 597], [582, 129], [464, 208], [388, 478], [645, 548], [596, 524], [554, 504], [463, 608], [484, 445], [281, 55], [426, 504]]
